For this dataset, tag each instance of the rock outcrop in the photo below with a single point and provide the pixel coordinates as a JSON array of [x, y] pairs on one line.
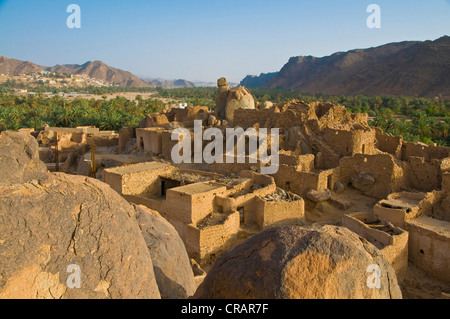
[[61, 220], [363, 181], [229, 99], [300, 263], [52, 224], [318, 196], [19, 158], [171, 264]]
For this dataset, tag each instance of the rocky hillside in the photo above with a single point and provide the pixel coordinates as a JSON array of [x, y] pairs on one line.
[[253, 81], [407, 68], [96, 70], [17, 67], [170, 84], [100, 71]]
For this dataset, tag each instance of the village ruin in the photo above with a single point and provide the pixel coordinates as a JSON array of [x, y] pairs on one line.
[[333, 169]]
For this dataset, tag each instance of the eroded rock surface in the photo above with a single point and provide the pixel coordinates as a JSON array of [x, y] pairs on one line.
[[171, 263], [19, 158], [229, 99], [300, 263], [64, 220]]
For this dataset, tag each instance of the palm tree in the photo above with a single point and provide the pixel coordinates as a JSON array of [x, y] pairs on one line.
[[422, 127], [110, 121]]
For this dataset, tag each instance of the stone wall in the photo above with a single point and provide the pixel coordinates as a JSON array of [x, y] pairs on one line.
[[446, 182], [393, 244], [429, 246], [388, 175], [389, 144], [422, 175], [202, 242], [138, 179], [125, 135], [425, 151], [270, 213]]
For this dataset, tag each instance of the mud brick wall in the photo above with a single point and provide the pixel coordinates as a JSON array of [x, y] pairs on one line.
[[389, 177], [138, 179], [425, 151], [423, 176], [202, 242], [394, 247], [125, 135], [389, 144], [429, 246], [270, 213], [289, 179]]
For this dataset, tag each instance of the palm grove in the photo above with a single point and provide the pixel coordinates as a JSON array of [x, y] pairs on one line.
[[416, 119]]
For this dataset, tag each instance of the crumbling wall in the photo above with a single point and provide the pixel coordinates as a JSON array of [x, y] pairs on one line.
[[290, 179], [389, 144], [363, 141], [125, 135], [446, 183], [246, 118], [393, 245], [388, 177], [425, 151], [421, 175], [202, 242], [401, 207], [339, 140], [429, 246], [191, 203], [302, 163]]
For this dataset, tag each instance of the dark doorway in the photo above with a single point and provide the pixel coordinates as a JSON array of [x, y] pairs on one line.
[[287, 186], [167, 184], [330, 182]]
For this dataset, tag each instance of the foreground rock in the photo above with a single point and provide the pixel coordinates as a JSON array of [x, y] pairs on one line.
[[19, 158], [171, 263], [63, 220], [300, 263]]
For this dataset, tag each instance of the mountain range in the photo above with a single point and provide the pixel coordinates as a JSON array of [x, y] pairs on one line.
[[95, 70], [170, 84], [410, 68]]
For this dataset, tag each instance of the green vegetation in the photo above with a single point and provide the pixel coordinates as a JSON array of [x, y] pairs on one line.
[[416, 119], [10, 85], [32, 111]]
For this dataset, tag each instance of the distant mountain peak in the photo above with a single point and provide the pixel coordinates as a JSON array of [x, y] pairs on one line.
[[94, 69], [410, 68]]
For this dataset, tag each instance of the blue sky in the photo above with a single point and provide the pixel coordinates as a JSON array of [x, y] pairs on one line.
[[208, 39]]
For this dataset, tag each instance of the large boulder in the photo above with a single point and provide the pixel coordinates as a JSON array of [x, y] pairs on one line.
[[238, 98], [171, 263], [221, 97], [19, 158], [295, 262], [229, 99], [363, 181], [318, 196], [50, 225]]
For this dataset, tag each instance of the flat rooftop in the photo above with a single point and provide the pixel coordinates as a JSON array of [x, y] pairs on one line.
[[138, 168], [197, 188], [437, 226]]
